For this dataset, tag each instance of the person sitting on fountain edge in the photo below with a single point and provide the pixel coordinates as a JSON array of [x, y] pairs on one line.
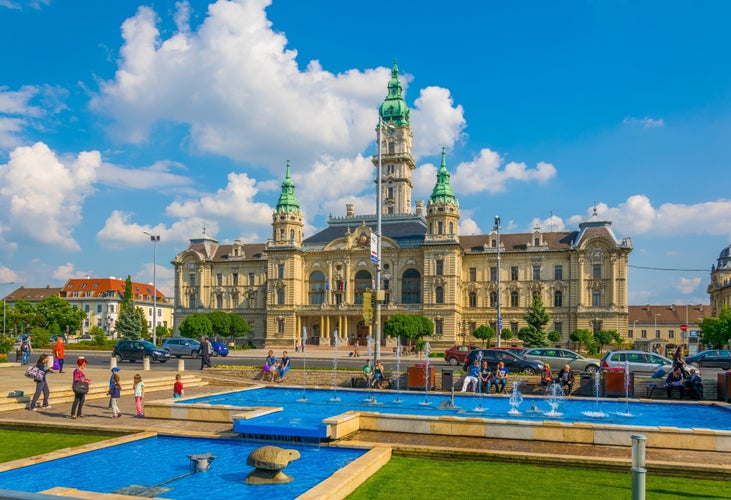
[[501, 377], [378, 377], [547, 377], [566, 379], [486, 377], [695, 382], [368, 373], [473, 376], [675, 379]]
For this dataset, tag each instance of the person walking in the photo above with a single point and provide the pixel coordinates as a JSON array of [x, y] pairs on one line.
[[115, 392], [25, 349], [80, 381], [59, 352], [139, 391], [41, 384], [205, 351]]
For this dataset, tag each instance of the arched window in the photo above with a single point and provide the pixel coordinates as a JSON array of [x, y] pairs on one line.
[[219, 301], [317, 288], [558, 298], [493, 299], [473, 299], [440, 227], [280, 296], [514, 299], [411, 287], [281, 235], [451, 228], [362, 283], [291, 235], [439, 295]]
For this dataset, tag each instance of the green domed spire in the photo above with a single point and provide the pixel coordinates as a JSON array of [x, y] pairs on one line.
[[443, 192], [287, 200], [394, 109]]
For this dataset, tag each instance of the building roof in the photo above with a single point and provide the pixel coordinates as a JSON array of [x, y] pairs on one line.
[[673, 314], [33, 295], [518, 242], [107, 287], [406, 230]]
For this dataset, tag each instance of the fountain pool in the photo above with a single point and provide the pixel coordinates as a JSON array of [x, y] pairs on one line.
[[118, 467]]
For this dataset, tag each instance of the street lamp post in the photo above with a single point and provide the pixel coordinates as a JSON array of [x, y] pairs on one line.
[[379, 229], [5, 303], [499, 318], [155, 238]]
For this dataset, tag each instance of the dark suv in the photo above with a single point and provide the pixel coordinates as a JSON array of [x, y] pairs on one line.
[[133, 350], [512, 362]]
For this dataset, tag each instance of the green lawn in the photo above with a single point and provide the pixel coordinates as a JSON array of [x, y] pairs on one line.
[[428, 479], [22, 444]]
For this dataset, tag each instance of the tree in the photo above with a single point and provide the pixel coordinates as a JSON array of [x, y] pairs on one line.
[[506, 334], [220, 322], [144, 327], [606, 337], [60, 316], [531, 338], [239, 327], [485, 333], [716, 331], [554, 336], [128, 323], [196, 325], [97, 332], [537, 319], [411, 327], [582, 336]]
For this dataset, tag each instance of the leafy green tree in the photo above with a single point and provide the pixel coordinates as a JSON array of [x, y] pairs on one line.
[[144, 327], [162, 332], [220, 322], [239, 327], [196, 325], [582, 336], [97, 333], [554, 336], [716, 331], [606, 337], [40, 337], [128, 323], [411, 327], [59, 315], [537, 319], [532, 338], [506, 334], [484, 333]]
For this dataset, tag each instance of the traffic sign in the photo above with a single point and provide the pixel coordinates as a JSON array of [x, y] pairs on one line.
[[683, 327]]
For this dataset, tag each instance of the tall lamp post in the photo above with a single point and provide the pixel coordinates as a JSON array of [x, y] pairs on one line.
[[499, 318], [379, 230], [5, 302], [154, 238]]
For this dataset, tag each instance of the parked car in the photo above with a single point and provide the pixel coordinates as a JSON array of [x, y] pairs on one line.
[[219, 349], [713, 358], [640, 362], [455, 355], [182, 346], [133, 350], [557, 358], [512, 362], [515, 350]]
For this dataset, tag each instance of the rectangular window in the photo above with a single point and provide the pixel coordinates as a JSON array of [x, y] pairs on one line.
[[596, 298], [630, 334], [513, 299], [558, 326], [657, 334], [280, 326], [99, 308], [235, 279], [536, 273], [644, 334], [219, 279], [87, 308], [280, 271], [439, 327], [596, 271], [191, 279], [473, 299], [514, 273], [473, 274], [440, 267], [514, 327], [252, 280], [671, 334], [493, 274], [558, 273], [219, 301]]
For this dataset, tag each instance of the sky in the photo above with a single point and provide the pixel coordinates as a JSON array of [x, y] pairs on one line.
[[120, 118]]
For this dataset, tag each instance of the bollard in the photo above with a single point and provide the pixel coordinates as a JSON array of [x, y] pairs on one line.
[[639, 443], [146, 363], [181, 365], [112, 362]]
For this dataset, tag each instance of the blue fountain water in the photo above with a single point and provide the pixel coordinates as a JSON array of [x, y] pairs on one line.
[[117, 467]]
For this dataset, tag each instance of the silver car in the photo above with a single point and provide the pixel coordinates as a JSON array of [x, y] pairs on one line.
[[640, 362], [557, 358], [181, 346]]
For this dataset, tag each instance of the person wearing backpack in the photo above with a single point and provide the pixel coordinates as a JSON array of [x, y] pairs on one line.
[[26, 349], [39, 376]]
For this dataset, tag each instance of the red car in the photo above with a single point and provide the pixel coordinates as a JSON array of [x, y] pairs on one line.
[[457, 354]]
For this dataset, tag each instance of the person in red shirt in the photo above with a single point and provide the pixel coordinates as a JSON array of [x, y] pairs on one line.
[[178, 387], [58, 353]]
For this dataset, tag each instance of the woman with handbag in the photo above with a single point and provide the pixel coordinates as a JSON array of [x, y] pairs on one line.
[[80, 387], [41, 384]]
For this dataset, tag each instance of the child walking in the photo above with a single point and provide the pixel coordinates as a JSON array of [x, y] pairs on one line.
[[115, 391], [139, 389], [178, 387]]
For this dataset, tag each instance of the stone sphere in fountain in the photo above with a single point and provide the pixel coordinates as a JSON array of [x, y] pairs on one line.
[[269, 462]]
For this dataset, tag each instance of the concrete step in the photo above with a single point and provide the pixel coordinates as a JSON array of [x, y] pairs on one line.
[[14, 401]]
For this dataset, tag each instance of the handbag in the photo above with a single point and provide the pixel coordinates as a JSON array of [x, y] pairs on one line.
[[56, 365], [80, 387], [35, 373]]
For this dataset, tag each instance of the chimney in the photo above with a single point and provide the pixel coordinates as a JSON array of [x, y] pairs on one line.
[[349, 210]]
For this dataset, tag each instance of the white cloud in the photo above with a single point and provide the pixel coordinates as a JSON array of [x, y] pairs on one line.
[[468, 226], [548, 225], [24, 4], [156, 176], [688, 285], [7, 276], [42, 196], [487, 173], [66, 271], [163, 277], [638, 216], [435, 121], [645, 122]]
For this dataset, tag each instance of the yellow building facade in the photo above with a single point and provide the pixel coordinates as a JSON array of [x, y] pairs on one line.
[[316, 286]]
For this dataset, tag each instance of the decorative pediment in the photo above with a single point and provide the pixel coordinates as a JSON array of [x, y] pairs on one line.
[[536, 286]]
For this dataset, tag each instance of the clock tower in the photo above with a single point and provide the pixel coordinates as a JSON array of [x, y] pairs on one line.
[[396, 161]]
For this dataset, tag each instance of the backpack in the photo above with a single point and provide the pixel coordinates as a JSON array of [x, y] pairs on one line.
[[35, 373], [24, 346]]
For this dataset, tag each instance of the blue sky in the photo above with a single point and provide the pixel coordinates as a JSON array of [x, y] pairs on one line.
[[121, 117]]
